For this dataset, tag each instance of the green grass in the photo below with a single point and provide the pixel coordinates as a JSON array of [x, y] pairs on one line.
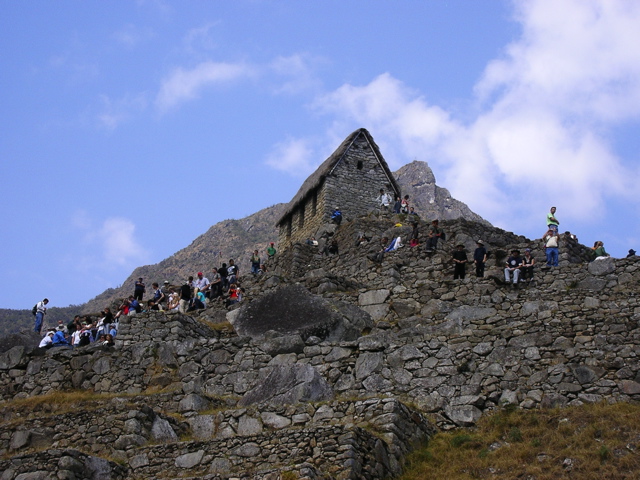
[[601, 441]]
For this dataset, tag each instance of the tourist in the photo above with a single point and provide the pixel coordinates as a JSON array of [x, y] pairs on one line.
[[139, 289], [158, 294], [255, 262], [528, 262], [435, 233], [552, 221], [336, 216], [201, 283], [215, 288], [233, 272], [404, 205], [512, 268], [47, 340], [480, 258], [185, 295], [460, 262], [598, 250], [384, 200], [551, 243], [41, 311], [271, 251], [631, 253], [397, 205]]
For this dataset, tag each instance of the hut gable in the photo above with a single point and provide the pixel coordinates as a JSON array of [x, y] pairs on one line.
[[350, 179]]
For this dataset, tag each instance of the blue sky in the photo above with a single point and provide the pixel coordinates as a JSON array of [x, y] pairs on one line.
[[129, 128]]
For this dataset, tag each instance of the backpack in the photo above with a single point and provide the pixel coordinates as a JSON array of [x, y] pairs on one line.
[[34, 310]]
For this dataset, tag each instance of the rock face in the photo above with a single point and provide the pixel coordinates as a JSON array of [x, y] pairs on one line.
[[431, 201], [293, 310], [289, 384]]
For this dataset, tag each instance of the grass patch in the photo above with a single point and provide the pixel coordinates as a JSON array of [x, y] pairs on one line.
[[224, 327], [600, 442]]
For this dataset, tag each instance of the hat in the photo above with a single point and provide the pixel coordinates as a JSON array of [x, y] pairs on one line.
[[50, 332], [271, 243], [60, 327], [166, 281], [480, 242], [632, 251], [527, 249], [199, 273]]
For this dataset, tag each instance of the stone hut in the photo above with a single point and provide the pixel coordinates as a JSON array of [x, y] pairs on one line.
[[351, 179]]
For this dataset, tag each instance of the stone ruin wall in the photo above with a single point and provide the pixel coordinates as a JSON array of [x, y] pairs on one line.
[[453, 349]]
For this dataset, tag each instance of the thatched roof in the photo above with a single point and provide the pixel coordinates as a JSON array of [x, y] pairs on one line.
[[318, 177]]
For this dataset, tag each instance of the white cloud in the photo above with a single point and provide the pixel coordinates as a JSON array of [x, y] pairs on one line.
[[298, 71], [115, 112], [118, 239], [108, 244], [545, 113], [292, 156], [183, 85], [131, 35]]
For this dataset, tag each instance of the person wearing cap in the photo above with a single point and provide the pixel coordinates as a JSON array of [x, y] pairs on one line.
[[138, 290], [460, 262], [528, 263], [201, 283], [47, 340], [551, 241], [480, 258], [271, 251], [512, 268], [631, 253]]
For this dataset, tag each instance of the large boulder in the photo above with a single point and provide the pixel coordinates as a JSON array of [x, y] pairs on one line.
[[292, 310], [289, 384]]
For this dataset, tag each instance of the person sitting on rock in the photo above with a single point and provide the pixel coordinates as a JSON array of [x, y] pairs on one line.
[[336, 216], [528, 262], [234, 295], [134, 305], [197, 302], [379, 255], [173, 303], [59, 338], [47, 340], [598, 250], [158, 295], [271, 251], [512, 267]]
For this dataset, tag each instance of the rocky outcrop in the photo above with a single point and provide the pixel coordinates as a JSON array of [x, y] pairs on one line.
[[293, 310]]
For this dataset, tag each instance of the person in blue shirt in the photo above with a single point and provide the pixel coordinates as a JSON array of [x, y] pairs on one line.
[[336, 216]]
